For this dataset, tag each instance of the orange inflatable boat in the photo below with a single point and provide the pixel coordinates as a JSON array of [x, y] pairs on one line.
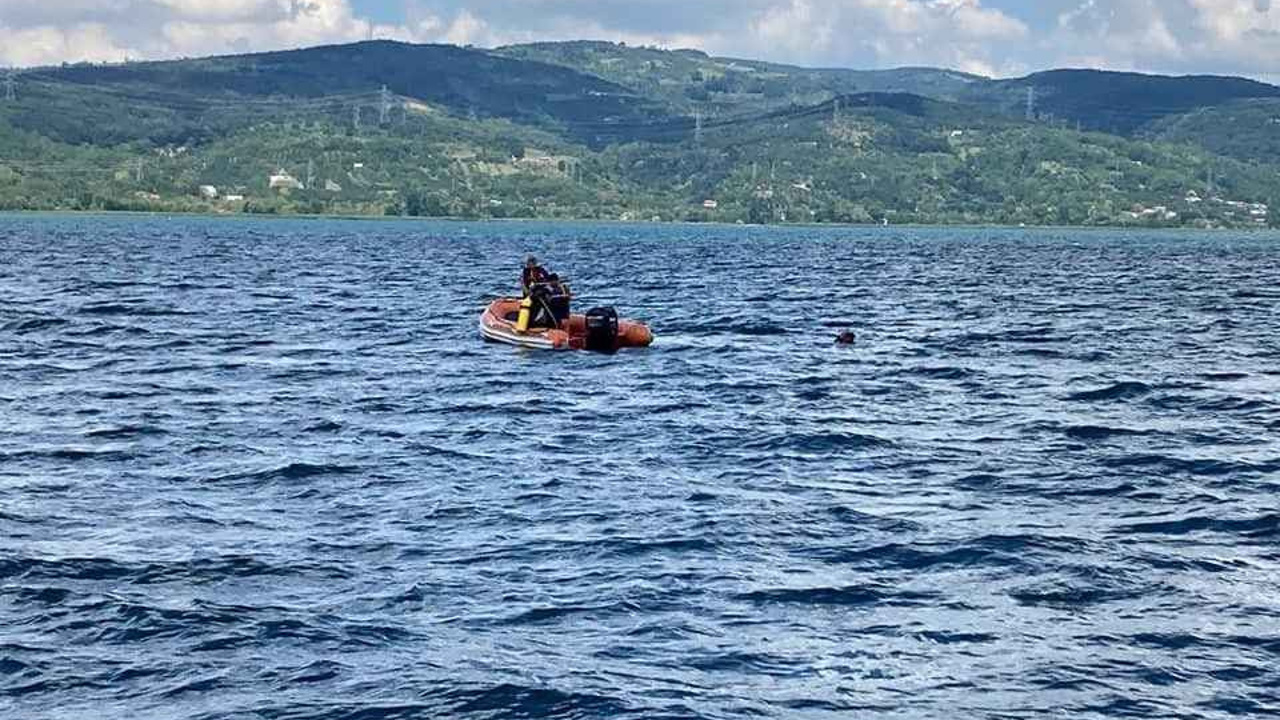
[[599, 330]]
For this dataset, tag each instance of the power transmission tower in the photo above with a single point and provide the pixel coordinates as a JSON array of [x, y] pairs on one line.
[[384, 106], [9, 84], [355, 118], [697, 127], [311, 174], [835, 112], [137, 170], [1031, 103]]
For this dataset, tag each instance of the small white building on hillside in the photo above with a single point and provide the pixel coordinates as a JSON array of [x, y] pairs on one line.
[[282, 180]]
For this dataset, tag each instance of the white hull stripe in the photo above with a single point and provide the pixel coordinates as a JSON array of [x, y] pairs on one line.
[[511, 338]]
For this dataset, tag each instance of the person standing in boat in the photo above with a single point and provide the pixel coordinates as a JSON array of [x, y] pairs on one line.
[[558, 298], [532, 275], [538, 308]]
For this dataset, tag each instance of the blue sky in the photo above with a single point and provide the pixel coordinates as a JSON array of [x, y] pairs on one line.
[[383, 11], [992, 37]]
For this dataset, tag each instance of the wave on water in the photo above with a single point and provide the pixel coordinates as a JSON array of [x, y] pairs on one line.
[[853, 595], [1116, 391], [1262, 526]]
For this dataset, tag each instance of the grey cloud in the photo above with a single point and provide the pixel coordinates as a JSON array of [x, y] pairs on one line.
[[302, 7]]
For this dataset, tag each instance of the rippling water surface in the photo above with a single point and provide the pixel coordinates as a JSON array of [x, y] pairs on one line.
[[268, 469]]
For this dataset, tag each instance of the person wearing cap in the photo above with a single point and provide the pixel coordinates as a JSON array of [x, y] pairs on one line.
[[533, 274]]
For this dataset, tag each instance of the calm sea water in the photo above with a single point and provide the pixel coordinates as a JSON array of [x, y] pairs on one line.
[[268, 469]]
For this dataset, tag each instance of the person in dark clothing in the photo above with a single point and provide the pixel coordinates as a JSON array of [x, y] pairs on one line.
[[558, 298], [547, 295], [542, 316], [532, 275]]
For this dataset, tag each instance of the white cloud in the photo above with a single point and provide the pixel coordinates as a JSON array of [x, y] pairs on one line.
[[48, 44], [1181, 36], [116, 29], [818, 31], [229, 10], [467, 29], [955, 33], [791, 28], [1243, 34], [1120, 35]]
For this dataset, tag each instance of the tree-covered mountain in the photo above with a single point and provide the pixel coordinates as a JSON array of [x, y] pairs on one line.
[[691, 80], [1114, 102], [204, 98], [598, 130], [1119, 103], [1247, 130]]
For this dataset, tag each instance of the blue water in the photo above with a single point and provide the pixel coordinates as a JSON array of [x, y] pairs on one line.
[[268, 469]]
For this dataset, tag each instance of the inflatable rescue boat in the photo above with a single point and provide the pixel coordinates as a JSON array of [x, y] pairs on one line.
[[598, 330]]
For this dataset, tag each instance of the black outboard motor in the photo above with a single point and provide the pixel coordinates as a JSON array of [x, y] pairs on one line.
[[602, 330]]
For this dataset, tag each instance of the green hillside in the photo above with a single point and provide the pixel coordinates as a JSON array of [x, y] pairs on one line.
[[1247, 130], [166, 102], [1113, 102], [595, 130], [691, 80]]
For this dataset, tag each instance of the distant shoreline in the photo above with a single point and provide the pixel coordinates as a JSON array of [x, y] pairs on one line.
[[627, 223]]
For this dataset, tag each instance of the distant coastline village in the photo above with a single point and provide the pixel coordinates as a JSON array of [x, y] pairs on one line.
[[1193, 209], [1252, 213]]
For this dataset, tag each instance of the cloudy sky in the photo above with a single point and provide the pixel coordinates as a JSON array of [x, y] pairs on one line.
[[992, 37]]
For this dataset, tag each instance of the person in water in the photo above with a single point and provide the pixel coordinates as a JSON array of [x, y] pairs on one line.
[[846, 338]]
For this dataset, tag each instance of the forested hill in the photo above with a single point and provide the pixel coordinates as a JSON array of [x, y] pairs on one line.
[[206, 96], [1116, 102], [599, 130]]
